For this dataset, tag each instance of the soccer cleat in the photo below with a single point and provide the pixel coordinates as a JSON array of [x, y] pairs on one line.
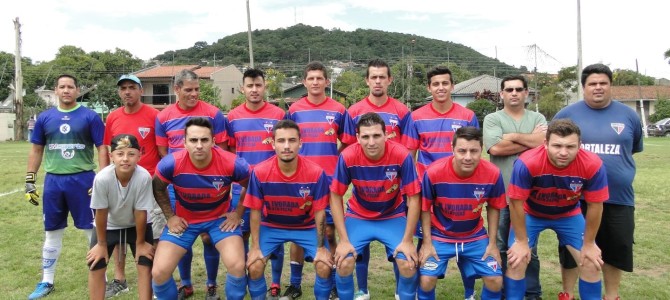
[[274, 292], [472, 297], [333, 294], [360, 295], [42, 290], [212, 294], [115, 288], [292, 292], [185, 291], [565, 296], [397, 297]]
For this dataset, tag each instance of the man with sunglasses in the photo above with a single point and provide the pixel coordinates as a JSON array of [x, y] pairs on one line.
[[508, 133]]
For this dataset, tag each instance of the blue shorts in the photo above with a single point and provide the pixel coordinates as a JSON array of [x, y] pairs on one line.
[[186, 238], [388, 232], [570, 230], [245, 226], [272, 239], [67, 193], [468, 254]]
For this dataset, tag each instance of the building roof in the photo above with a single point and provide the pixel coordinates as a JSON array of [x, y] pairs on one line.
[[632, 92], [169, 71], [477, 84]]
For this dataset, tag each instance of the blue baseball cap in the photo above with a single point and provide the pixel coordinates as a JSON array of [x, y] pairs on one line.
[[130, 77]]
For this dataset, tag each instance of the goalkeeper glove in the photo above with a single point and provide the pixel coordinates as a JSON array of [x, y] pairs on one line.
[[31, 191]]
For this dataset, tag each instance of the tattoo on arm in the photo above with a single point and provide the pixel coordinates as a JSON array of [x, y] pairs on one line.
[[162, 197], [320, 229]]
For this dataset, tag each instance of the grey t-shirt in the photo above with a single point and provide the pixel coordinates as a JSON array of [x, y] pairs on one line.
[[107, 193]]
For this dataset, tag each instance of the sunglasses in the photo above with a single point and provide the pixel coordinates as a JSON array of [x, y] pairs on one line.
[[518, 90]]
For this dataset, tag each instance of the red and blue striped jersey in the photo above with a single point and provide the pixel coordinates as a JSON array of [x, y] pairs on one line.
[[553, 193], [431, 132], [320, 127], [456, 203], [378, 185], [202, 194], [288, 201], [171, 121], [250, 132], [394, 114]]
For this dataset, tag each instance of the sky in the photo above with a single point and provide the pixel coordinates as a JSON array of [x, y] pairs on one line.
[[615, 32]]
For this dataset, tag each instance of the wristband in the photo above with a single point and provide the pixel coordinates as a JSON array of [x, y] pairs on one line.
[[31, 177]]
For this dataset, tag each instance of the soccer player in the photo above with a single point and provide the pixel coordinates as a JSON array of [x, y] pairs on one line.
[[508, 133], [170, 138], [250, 137], [430, 131], [121, 200], [323, 122], [201, 177], [611, 130], [68, 132], [287, 197], [454, 191], [545, 188], [381, 172], [395, 115], [139, 120]]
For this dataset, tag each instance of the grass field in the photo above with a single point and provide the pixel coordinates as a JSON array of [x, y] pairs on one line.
[[22, 235]]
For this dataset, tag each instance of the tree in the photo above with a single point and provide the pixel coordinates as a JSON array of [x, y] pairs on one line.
[[552, 99], [211, 94], [629, 77], [667, 55], [662, 111], [353, 84], [273, 83], [567, 78], [481, 107]]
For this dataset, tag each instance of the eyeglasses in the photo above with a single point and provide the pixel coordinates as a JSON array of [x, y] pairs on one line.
[[518, 90]]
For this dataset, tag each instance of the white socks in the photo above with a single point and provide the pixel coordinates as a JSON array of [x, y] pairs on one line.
[[53, 243]]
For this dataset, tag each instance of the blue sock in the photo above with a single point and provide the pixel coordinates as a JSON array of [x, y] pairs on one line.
[[211, 262], [333, 274], [322, 287], [490, 295], [407, 287], [296, 273], [257, 287], [468, 285], [396, 273], [277, 264], [236, 287], [425, 295], [167, 290], [345, 286], [362, 269], [514, 289], [185, 267], [590, 290]]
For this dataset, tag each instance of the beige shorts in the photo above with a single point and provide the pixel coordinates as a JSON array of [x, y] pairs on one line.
[[158, 222]]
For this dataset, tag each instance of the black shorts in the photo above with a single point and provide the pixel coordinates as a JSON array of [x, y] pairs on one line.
[[123, 237], [614, 237]]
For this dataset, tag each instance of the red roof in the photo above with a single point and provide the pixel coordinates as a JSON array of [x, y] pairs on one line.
[[170, 71], [632, 92]]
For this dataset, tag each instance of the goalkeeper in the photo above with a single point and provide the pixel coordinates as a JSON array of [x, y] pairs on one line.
[[65, 136]]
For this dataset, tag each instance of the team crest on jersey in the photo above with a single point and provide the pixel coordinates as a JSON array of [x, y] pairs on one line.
[[218, 184], [576, 186], [618, 127], [479, 192], [64, 128], [304, 192], [455, 127], [393, 122], [144, 131], [391, 173], [493, 264], [67, 154], [330, 118], [268, 126]]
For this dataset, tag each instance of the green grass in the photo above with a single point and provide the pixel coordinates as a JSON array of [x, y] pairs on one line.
[[22, 236]]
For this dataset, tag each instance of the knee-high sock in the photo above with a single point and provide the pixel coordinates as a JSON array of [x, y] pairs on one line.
[[53, 244], [468, 282], [490, 295], [396, 273], [362, 269], [345, 286], [407, 287], [212, 258], [185, 267], [89, 234], [257, 287], [426, 295], [322, 287], [296, 273], [277, 264], [167, 290], [590, 290], [514, 289], [236, 287]]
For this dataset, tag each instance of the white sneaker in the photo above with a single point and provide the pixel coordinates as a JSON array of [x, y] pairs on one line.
[[472, 297], [360, 295], [397, 297]]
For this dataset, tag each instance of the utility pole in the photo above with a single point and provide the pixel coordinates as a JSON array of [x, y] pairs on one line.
[[579, 51], [410, 73], [18, 87], [639, 91], [537, 94], [251, 47]]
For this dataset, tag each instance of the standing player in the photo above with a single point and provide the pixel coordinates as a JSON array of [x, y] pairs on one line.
[[121, 200], [613, 131], [287, 196], [381, 173], [395, 115], [430, 131], [545, 188], [201, 177], [139, 120], [323, 122], [250, 131], [455, 190], [68, 133], [170, 138], [508, 133]]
